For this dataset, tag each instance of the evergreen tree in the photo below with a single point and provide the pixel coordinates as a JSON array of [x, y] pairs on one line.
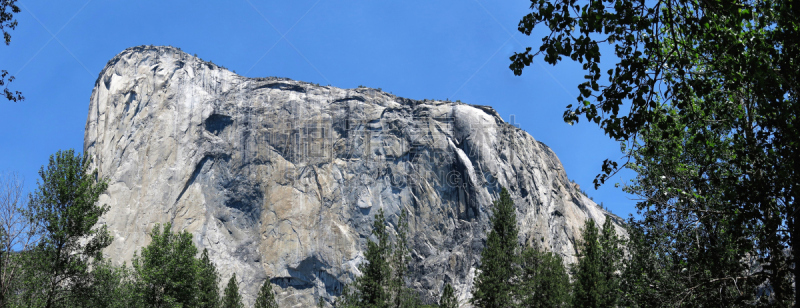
[[493, 283], [65, 209], [321, 302], [374, 285], [588, 285], [399, 265], [266, 298], [596, 273], [610, 263], [408, 299], [232, 298], [382, 283], [544, 281], [208, 282], [167, 269], [349, 298], [448, 299], [403, 295]]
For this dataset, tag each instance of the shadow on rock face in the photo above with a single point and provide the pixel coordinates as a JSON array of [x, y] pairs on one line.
[[216, 123], [244, 197], [309, 272]]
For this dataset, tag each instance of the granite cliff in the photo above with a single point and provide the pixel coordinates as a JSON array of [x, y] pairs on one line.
[[281, 178]]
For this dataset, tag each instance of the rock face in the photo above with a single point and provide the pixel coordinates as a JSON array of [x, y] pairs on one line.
[[281, 178]]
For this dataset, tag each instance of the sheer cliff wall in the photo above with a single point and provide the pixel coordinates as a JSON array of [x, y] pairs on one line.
[[280, 178]]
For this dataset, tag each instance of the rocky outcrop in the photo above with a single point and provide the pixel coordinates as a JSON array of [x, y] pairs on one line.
[[281, 178]]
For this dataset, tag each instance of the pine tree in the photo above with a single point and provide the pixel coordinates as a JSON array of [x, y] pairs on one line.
[[350, 297], [266, 298], [448, 299], [232, 298], [610, 263], [208, 283], [596, 273], [377, 273], [399, 265], [588, 283], [403, 295], [544, 281], [493, 283], [382, 283]]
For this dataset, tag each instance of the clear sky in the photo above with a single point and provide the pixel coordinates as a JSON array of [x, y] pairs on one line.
[[455, 50]]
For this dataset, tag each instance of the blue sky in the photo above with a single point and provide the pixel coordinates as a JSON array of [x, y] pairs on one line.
[[455, 50]]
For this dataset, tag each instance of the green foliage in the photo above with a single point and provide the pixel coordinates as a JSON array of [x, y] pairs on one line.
[[167, 269], [64, 207], [509, 277], [650, 277], [65, 266], [111, 286], [448, 299], [7, 21], [544, 281], [610, 263], [232, 298], [266, 298], [377, 273], [709, 98], [403, 296], [349, 297], [493, 283], [588, 281], [596, 273], [208, 282], [382, 283], [7, 10], [719, 239], [408, 298]]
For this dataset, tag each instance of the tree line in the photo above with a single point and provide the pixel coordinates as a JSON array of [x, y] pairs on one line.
[[611, 271], [51, 251], [510, 274], [516, 275], [51, 256]]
